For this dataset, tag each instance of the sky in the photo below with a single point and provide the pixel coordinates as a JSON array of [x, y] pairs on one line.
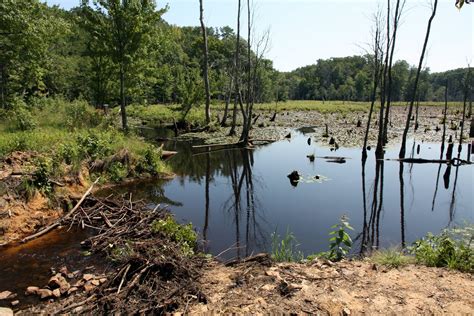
[[303, 31]]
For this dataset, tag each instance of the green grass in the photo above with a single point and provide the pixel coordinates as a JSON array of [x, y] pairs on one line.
[[285, 249], [72, 133], [164, 114], [392, 258]]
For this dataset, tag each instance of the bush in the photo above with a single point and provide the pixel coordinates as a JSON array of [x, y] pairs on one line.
[[21, 117], [95, 145], [184, 235], [150, 161], [452, 248], [117, 171], [80, 114]]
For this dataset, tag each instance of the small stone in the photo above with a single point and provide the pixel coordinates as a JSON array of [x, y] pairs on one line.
[[57, 293], [4, 295], [45, 293], [76, 273], [70, 276], [5, 311], [346, 311], [79, 283], [88, 287], [88, 276], [15, 303], [58, 281], [72, 290], [95, 282], [32, 290]]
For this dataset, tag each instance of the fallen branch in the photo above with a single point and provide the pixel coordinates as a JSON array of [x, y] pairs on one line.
[[58, 222], [455, 161]]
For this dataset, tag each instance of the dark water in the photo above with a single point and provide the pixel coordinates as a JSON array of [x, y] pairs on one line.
[[237, 198], [30, 264]]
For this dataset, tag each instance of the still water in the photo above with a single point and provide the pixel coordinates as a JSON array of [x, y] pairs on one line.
[[237, 198]]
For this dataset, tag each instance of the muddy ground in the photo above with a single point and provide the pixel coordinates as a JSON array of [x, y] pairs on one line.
[[344, 126]]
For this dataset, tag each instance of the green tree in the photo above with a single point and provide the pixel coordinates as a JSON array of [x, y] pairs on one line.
[[125, 27]]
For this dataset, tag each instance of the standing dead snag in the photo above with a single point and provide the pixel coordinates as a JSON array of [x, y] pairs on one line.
[[206, 62], [238, 95], [415, 86]]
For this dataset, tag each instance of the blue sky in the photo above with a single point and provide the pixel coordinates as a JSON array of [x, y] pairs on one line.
[[302, 31]]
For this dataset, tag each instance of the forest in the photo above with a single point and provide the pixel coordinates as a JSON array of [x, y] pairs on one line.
[[48, 51]]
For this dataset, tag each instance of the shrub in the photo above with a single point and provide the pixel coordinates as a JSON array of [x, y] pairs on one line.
[[150, 161], [452, 248], [340, 242], [184, 235], [41, 176], [117, 171], [22, 118], [95, 144], [79, 115]]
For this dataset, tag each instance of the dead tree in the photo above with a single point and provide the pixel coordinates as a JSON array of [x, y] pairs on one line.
[[237, 95], [396, 20], [206, 62], [378, 53], [415, 86]]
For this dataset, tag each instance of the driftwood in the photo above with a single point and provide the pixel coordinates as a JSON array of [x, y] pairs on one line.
[[49, 228], [453, 161]]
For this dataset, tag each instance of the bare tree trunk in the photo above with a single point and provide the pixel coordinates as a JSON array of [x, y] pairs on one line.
[[236, 73], [376, 79], [383, 93], [244, 138], [206, 63], [227, 101], [122, 98], [389, 91], [466, 91], [444, 118], [420, 65]]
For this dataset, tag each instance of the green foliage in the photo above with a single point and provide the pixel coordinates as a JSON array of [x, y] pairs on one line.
[[392, 258], [94, 144], [285, 249], [452, 248], [42, 174], [150, 161], [121, 253], [79, 114], [184, 235], [21, 116], [340, 242], [117, 171]]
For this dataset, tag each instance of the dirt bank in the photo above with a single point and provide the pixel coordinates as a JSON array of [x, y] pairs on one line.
[[337, 289]]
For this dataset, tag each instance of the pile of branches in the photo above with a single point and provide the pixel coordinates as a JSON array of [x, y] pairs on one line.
[[153, 275]]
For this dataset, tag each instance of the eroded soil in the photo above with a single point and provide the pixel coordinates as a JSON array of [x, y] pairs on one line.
[[343, 288]]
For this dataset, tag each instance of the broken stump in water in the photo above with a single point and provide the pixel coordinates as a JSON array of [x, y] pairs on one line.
[[309, 141], [310, 157], [294, 178], [332, 141]]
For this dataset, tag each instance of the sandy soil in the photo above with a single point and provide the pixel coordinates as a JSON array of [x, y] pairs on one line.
[[344, 288]]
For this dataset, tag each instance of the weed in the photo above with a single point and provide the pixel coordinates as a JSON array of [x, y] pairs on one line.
[[117, 171], [184, 235], [340, 242], [392, 258], [452, 248], [285, 249]]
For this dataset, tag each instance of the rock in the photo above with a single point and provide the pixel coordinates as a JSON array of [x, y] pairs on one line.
[[88, 276], [346, 311], [70, 276], [5, 311], [72, 290], [102, 280], [4, 295], [79, 283], [95, 282], [88, 287], [57, 293], [45, 293], [59, 282], [15, 303], [32, 290]]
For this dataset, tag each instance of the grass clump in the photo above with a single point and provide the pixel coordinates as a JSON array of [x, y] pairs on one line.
[[286, 249], [184, 235], [453, 248], [392, 258]]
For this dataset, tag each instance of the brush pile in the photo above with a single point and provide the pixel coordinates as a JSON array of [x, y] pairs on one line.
[[156, 266]]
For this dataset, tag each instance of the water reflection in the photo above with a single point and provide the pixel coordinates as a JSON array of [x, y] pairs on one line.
[[237, 198]]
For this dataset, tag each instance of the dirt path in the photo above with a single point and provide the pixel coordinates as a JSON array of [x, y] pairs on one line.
[[337, 289]]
